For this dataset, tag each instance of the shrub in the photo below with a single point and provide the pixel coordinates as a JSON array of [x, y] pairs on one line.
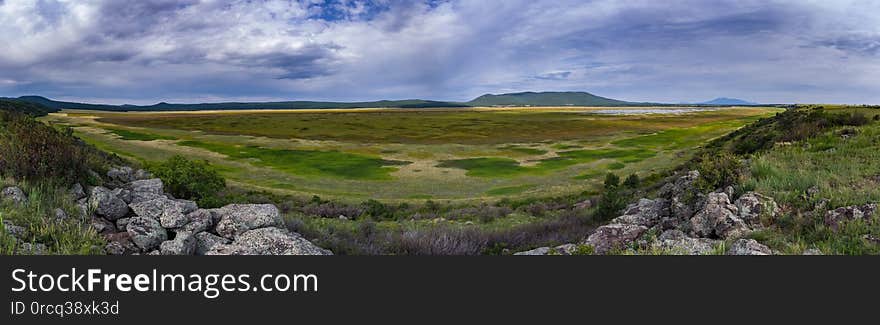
[[612, 200], [718, 170], [189, 179], [632, 181], [33, 151]]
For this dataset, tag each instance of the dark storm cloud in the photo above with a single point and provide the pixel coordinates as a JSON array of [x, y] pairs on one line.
[[677, 50]]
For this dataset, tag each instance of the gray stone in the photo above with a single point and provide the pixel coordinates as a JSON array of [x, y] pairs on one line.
[[141, 174], [170, 213], [123, 194], [32, 249], [106, 204], [837, 216], [206, 241], [645, 213], [60, 214], [14, 194], [269, 241], [122, 223], [752, 206], [146, 233], [18, 232], [184, 243], [718, 218], [614, 236], [676, 242], [239, 218], [199, 221], [77, 192], [536, 251], [102, 226], [121, 175], [120, 244], [748, 247], [145, 190], [812, 251]]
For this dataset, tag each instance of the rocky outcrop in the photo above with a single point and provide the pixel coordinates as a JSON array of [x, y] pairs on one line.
[[146, 233], [170, 213], [748, 247], [236, 219], [718, 219], [676, 242], [646, 213], [14, 194], [836, 217], [184, 243], [268, 241], [614, 236], [145, 190], [106, 204]]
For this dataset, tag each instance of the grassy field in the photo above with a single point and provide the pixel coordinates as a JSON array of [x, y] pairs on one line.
[[406, 154]]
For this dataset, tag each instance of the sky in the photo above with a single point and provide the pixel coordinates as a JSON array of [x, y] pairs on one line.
[[190, 51]]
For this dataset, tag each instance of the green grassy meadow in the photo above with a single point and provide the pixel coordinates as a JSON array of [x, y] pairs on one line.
[[413, 154]]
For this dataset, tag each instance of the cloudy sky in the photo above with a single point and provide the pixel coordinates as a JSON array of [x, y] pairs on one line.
[[145, 51]]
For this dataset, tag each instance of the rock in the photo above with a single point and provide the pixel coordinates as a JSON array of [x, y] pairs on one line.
[[32, 249], [206, 241], [812, 251], [676, 242], [170, 213], [536, 251], [837, 216], [752, 206], [121, 175], [122, 223], [748, 247], [199, 221], [565, 249], [60, 214], [14, 194], [145, 190], [583, 205], [82, 207], [77, 192], [123, 194], [718, 218], [102, 226], [120, 244], [342, 217], [146, 233], [183, 244], [239, 218], [269, 241], [141, 174], [683, 195], [645, 213], [106, 204], [18, 232], [614, 236], [155, 252]]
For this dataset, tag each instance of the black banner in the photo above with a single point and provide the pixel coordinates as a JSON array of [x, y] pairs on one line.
[[421, 289]]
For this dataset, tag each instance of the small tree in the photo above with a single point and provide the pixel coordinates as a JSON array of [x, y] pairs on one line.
[[612, 200], [188, 179], [632, 181]]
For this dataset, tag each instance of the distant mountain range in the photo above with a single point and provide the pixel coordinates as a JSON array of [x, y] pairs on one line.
[[523, 99], [728, 101]]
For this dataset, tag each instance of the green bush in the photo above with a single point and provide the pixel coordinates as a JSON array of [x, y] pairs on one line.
[[190, 179], [632, 181], [718, 171]]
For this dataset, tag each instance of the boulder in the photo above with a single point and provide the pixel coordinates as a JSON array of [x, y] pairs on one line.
[[748, 247], [683, 195], [718, 218], [106, 204], [122, 223], [237, 219], [60, 214], [145, 190], [752, 206], [614, 236], [77, 192], [184, 243], [199, 221], [123, 194], [18, 232], [676, 242], [837, 216], [206, 241], [141, 174], [120, 244], [170, 213], [269, 241], [14, 194], [536, 251], [32, 249], [583, 205], [146, 233], [121, 175], [645, 213], [102, 226]]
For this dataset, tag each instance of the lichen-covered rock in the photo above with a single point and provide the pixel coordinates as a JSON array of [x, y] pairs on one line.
[[683, 195], [122, 194], [206, 241], [146, 233], [718, 219], [77, 192], [199, 221], [18, 232], [120, 244], [752, 206], [644, 213], [536, 251], [676, 242], [121, 175], [748, 247], [106, 204], [184, 243], [102, 226], [837, 216], [269, 241], [145, 190], [14, 194], [237, 219], [122, 223], [614, 236], [170, 213]]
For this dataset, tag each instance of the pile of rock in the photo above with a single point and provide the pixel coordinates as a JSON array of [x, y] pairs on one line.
[[684, 221], [136, 216]]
